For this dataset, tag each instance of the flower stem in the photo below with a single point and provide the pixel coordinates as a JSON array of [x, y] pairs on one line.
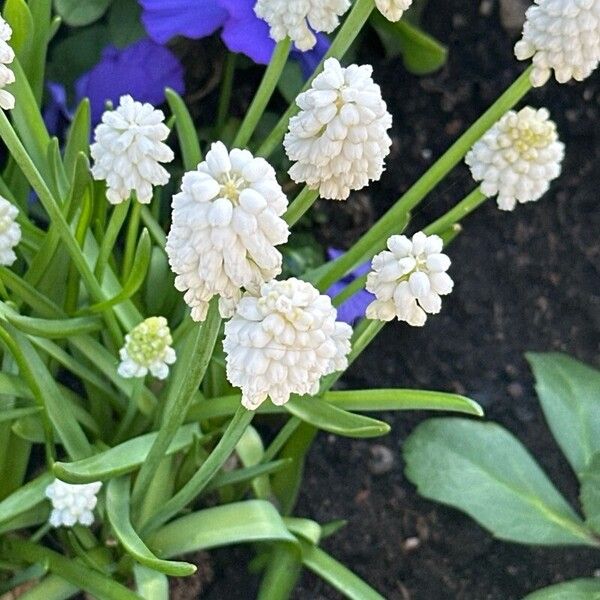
[[466, 206], [374, 239], [346, 35], [117, 218], [263, 94], [226, 88], [301, 203], [131, 239]]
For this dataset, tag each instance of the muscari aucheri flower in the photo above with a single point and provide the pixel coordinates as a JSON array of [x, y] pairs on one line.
[[72, 503], [10, 232]]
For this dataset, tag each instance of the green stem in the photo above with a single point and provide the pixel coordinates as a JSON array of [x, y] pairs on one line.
[[131, 240], [174, 415], [349, 291], [466, 206], [263, 94], [301, 203], [347, 33], [375, 238], [153, 226], [117, 218], [226, 88]]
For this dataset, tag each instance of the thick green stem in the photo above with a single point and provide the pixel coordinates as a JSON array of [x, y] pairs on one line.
[[301, 203], [466, 206], [131, 239], [346, 35], [263, 94], [226, 89]]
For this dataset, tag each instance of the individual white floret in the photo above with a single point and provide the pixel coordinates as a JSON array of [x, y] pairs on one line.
[[518, 157], [7, 55], [339, 139], [147, 348], [71, 503], [562, 36], [282, 341], [128, 150], [299, 19], [408, 279], [225, 226], [10, 232], [393, 9]]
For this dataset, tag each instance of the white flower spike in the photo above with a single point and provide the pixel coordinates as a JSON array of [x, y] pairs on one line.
[[408, 279], [562, 36], [225, 226], [10, 232], [71, 503], [339, 139], [393, 10], [147, 348], [296, 19], [518, 157], [7, 55], [128, 150], [282, 341]]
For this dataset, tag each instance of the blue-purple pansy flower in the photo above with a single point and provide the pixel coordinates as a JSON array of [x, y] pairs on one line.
[[353, 308]]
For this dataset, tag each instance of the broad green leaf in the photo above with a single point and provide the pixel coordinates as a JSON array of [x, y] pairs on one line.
[[55, 328], [236, 523], [124, 23], [78, 136], [570, 395], [335, 420], [578, 589], [481, 469], [51, 587], [18, 16], [78, 13], [26, 497], [150, 584], [121, 459], [117, 510], [186, 130], [590, 493], [283, 569]]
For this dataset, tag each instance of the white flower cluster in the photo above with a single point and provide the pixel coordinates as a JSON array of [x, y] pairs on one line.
[[563, 36], [71, 503], [393, 10], [147, 348], [296, 19], [408, 279], [339, 139], [225, 226], [10, 232], [518, 157], [282, 341], [128, 150], [7, 55]]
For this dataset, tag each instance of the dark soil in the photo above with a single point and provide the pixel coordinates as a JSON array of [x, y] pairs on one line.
[[527, 280]]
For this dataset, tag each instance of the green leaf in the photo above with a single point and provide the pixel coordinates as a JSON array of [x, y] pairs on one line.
[[51, 587], [186, 130], [150, 584], [55, 328], [335, 420], [570, 395], [124, 23], [18, 16], [78, 13], [481, 469], [26, 497], [235, 523], [121, 459], [590, 493], [78, 137], [578, 589], [117, 510], [18, 413], [250, 449], [307, 529], [247, 473]]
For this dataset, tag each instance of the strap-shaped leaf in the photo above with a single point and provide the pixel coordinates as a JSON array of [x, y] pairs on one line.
[[117, 509], [24, 498], [247, 473], [578, 589], [590, 493], [55, 328], [150, 584], [78, 136], [186, 130]]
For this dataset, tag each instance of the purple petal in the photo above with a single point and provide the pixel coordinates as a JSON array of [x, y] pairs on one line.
[[144, 69], [165, 19], [56, 112], [354, 308]]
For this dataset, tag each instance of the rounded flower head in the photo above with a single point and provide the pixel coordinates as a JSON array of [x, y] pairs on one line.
[[7, 55], [299, 19], [225, 226], [72, 504], [339, 139], [563, 36], [518, 157], [408, 279], [10, 232], [128, 150], [393, 10], [282, 341], [147, 348]]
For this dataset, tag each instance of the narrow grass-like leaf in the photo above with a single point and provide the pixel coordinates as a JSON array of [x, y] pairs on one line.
[[590, 493], [150, 584], [307, 529], [578, 589], [24, 498], [32, 517], [117, 510], [186, 131], [247, 473], [51, 587], [18, 413], [78, 137], [55, 328]]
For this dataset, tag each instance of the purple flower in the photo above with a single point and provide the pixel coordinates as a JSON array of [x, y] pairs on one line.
[[143, 69], [311, 59], [353, 308]]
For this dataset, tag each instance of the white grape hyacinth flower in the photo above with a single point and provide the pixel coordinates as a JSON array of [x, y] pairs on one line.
[[339, 139], [10, 232], [562, 36], [147, 349], [393, 10], [226, 223], [128, 150], [408, 279], [300, 18], [72, 503], [518, 157], [7, 55], [282, 341]]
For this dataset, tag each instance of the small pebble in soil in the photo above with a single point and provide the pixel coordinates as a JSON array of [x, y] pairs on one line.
[[515, 390], [411, 543], [382, 460]]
